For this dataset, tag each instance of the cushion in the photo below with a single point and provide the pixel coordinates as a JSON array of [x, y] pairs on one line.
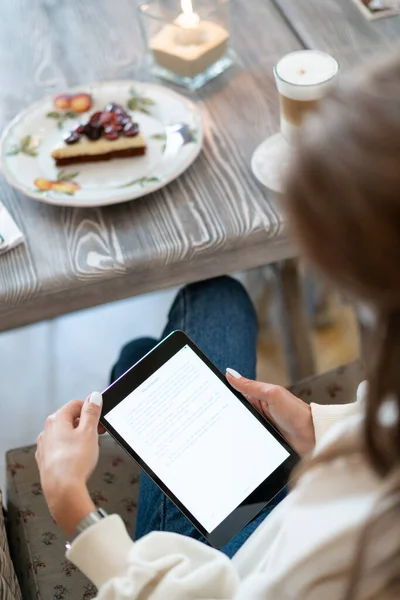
[[37, 544], [9, 587], [338, 386]]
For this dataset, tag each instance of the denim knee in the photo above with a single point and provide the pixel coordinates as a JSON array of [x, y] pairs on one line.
[[221, 293], [130, 354]]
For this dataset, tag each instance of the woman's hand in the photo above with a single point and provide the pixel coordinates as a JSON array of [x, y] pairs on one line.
[[67, 453], [288, 413]]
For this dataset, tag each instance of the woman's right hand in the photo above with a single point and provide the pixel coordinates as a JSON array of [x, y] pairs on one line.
[[290, 415]]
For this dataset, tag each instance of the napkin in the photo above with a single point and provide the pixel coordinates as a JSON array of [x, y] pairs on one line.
[[10, 235]]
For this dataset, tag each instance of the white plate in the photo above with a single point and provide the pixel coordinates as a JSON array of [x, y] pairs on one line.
[[270, 162], [162, 115]]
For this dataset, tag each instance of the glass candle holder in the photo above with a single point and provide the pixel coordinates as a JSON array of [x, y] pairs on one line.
[[188, 40]]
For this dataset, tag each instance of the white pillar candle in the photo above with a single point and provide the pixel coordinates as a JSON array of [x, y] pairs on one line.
[[188, 46], [188, 30]]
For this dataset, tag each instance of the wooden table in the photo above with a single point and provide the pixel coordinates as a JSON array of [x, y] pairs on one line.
[[212, 220]]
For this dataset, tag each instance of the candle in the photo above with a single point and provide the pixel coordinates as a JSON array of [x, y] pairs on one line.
[[188, 23], [189, 45]]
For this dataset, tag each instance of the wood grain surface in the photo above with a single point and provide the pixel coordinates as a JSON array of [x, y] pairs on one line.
[[339, 27], [213, 220]]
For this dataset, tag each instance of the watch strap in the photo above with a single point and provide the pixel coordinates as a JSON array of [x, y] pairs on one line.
[[90, 519]]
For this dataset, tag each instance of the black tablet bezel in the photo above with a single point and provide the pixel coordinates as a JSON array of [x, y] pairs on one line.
[[258, 499]]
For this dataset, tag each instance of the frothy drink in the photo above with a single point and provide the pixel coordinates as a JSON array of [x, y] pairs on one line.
[[302, 79]]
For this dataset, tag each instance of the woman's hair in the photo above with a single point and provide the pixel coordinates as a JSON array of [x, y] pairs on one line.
[[343, 202]]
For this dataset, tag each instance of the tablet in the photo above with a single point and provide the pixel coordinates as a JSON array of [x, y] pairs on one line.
[[197, 438]]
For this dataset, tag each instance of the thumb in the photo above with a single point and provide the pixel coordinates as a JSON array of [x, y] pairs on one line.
[[91, 411], [247, 387]]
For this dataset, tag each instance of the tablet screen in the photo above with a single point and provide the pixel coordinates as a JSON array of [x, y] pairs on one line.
[[197, 437]]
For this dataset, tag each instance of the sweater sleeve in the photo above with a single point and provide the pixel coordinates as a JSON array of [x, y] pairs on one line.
[[326, 415], [158, 566]]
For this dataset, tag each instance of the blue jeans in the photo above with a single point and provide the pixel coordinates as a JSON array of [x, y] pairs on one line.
[[220, 318]]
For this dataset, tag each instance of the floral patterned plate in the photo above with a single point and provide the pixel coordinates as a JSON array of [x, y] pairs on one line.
[[170, 124]]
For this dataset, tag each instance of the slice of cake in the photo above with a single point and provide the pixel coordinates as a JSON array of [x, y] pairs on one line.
[[108, 134]]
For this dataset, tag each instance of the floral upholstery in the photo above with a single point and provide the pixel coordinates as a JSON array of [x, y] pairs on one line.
[[334, 387], [38, 546], [9, 588]]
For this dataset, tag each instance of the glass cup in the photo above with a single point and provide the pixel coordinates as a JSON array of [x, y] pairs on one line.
[[303, 78], [189, 42]]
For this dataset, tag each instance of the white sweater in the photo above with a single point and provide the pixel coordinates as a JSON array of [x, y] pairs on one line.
[[311, 533]]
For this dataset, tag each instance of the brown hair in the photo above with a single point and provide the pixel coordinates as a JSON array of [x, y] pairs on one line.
[[343, 202]]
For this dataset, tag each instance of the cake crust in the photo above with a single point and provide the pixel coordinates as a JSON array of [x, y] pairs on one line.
[[84, 158]]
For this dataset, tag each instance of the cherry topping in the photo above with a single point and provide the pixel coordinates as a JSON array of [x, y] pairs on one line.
[[108, 118], [95, 117], [94, 131], [131, 129], [111, 134], [115, 108], [73, 138], [110, 123]]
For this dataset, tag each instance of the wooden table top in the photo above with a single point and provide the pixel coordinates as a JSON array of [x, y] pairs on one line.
[[215, 218]]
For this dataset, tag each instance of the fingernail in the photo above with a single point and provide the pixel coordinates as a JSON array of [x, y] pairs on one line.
[[234, 373], [96, 398]]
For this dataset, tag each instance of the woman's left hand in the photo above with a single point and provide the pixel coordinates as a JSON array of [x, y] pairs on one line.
[[67, 453]]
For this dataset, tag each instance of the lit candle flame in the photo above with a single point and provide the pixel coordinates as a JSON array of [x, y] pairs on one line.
[[188, 19], [187, 7]]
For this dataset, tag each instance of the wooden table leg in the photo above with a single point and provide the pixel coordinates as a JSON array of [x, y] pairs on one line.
[[293, 320]]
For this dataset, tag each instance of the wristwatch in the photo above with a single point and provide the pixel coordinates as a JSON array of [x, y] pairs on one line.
[[88, 521]]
